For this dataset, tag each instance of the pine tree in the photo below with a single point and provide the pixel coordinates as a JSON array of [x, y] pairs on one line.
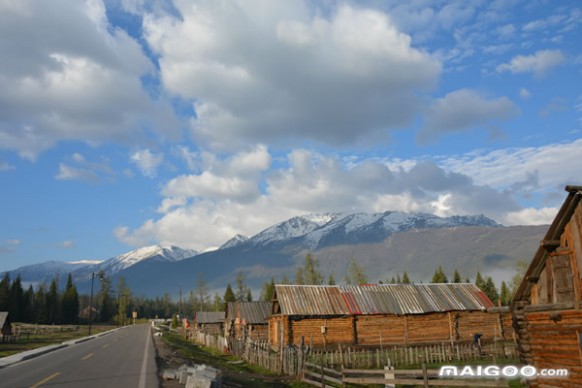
[[398, 280], [4, 292], [249, 296], [70, 302], [40, 312], [104, 300], [53, 304], [457, 277], [16, 300], [331, 280], [268, 290], [439, 276], [490, 290], [123, 298], [229, 295], [241, 288], [405, 278], [299, 278], [479, 281]]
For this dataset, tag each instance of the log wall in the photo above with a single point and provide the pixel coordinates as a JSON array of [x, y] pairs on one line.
[[376, 330], [554, 342]]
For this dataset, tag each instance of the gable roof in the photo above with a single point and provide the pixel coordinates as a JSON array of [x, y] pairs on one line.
[[209, 317], [550, 242], [255, 312], [373, 299]]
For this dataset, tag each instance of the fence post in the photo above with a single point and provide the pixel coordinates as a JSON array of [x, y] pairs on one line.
[[389, 375], [424, 375]]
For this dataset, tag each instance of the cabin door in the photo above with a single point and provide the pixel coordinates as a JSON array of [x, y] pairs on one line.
[[563, 278]]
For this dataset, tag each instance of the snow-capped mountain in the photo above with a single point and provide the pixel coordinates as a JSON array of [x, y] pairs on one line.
[[319, 230], [153, 253], [45, 272], [236, 240]]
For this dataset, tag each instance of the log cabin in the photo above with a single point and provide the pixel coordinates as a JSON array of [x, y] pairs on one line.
[[247, 320], [388, 314], [209, 322], [546, 306]]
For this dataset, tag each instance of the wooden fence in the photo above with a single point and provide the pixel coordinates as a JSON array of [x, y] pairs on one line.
[[291, 360]]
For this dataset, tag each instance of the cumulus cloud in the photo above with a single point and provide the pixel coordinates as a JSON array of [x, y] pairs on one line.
[[65, 75], [538, 63], [195, 214], [78, 168], [258, 73], [463, 110], [147, 162]]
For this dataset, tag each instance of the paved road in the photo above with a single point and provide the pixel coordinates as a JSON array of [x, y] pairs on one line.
[[125, 358]]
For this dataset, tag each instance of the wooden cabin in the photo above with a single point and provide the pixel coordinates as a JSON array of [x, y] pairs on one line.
[[5, 326], [209, 322], [247, 320], [388, 314], [546, 307]]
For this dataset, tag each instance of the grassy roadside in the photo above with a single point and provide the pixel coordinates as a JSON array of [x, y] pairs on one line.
[[235, 370], [56, 335]]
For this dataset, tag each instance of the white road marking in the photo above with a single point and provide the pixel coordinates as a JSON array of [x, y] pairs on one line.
[[144, 363]]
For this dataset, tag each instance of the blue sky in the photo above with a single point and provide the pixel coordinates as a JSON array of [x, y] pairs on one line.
[[128, 123]]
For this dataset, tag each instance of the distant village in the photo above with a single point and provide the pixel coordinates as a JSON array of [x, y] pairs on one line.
[[536, 318]]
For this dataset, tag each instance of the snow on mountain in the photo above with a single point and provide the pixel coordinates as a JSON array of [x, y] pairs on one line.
[[153, 252], [316, 230], [236, 240], [45, 272]]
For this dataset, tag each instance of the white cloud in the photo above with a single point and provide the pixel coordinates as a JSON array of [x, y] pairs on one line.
[[65, 75], [524, 93], [553, 165], [538, 63], [260, 73], [5, 166], [9, 246], [69, 173], [147, 162], [530, 216], [462, 110], [67, 244], [197, 214]]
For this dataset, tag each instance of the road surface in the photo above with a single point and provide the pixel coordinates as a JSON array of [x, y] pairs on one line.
[[124, 358]]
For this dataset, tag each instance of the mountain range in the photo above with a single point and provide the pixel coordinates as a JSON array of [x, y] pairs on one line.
[[384, 244]]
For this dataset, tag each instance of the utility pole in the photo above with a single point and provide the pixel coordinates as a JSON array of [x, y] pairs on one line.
[[91, 303]]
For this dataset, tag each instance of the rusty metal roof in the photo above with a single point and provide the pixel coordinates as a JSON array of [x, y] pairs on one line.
[[399, 299], [252, 312], [209, 317]]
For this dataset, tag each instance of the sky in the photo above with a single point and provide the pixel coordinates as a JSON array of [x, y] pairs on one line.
[[126, 123]]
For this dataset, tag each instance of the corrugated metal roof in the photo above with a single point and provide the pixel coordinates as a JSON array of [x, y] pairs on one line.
[[252, 312], [209, 317], [399, 299]]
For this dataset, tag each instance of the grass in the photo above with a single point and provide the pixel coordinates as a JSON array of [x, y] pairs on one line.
[[48, 336], [235, 370]]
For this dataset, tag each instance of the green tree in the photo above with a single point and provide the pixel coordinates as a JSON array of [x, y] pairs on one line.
[[40, 299], [70, 302], [249, 297], [268, 290], [490, 290], [217, 303], [355, 274], [331, 280], [29, 305], [311, 274], [4, 292], [123, 299], [457, 277], [105, 302], [439, 276], [229, 295], [505, 294], [405, 278], [53, 304], [479, 281], [16, 300]]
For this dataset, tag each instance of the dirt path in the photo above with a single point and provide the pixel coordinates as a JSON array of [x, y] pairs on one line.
[[234, 374]]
